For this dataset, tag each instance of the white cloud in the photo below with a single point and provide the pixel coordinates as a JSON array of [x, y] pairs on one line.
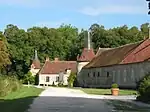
[[113, 9]]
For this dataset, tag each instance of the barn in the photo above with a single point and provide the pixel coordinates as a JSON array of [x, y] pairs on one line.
[[125, 65]]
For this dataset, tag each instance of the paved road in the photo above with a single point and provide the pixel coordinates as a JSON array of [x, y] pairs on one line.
[[70, 100]]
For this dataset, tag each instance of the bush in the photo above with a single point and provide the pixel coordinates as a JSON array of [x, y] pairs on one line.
[[8, 85], [144, 89], [30, 78], [114, 85], [144, 84], [71, 79]]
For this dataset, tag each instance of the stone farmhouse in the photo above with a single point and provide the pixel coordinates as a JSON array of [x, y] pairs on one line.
[[124, 65]]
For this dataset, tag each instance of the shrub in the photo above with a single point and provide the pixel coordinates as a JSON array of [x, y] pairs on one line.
[[71, 79], [144, 84], [30, 78], [144, 89], [8, 84], [114, 85]]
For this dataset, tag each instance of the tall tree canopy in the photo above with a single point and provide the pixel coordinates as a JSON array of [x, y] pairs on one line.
[[65, 42], [4, 54]]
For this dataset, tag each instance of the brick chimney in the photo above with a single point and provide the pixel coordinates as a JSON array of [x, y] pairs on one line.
[[56, 59]]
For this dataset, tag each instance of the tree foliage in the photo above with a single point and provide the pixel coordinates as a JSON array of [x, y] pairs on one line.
[[4, 54], [71, 79], [65, 42], [144, 89], [28, 78]]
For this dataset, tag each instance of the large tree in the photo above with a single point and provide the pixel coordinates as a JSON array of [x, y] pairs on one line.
[[4, 54]]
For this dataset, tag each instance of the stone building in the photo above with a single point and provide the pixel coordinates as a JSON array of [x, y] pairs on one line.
[[124, 65]]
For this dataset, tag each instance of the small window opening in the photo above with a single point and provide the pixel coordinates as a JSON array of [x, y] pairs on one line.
[[98, 74], [107, 74], [94, 74], [88, 75], [47, 79]]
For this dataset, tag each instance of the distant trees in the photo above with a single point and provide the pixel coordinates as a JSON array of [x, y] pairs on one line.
[[65, 42]]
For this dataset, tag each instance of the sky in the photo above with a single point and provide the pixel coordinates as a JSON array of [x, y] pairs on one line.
[[79, 13]]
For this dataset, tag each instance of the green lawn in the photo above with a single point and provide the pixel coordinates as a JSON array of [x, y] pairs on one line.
[[107, 91], [20, 100]]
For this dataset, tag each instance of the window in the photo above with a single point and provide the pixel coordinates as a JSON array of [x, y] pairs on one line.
[[94, 74], [107, 74], [88, 75], [57, 79], [132, 75], [125, 76], [98, 74], [47, 79]]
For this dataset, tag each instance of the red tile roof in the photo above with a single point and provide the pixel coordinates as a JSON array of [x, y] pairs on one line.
[[112, 56], [141, 53], [36, 64], [87, 55], [55, 67]]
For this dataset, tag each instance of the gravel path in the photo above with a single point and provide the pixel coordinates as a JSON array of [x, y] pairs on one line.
[[72, 100]]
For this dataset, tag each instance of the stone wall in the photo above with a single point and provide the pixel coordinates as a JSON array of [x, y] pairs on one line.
[[126, 76]]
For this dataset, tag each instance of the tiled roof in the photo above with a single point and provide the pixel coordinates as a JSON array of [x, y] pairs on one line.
[[100, 50], [141, 53], [112, 56], [87, 55], [36, 64], [55, 67]]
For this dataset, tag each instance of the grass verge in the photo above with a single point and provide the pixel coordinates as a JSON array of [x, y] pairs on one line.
[[19, 100], [107, 91]]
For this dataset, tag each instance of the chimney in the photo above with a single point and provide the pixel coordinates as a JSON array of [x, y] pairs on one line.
[[56, 59], [89, 43], [47, 58], [35, 55]]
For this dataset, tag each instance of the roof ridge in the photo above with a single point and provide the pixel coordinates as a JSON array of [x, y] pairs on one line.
[[129, 44], [123, 46], [63, 61], [43, 67]]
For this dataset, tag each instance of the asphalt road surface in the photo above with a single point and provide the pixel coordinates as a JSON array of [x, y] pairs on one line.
[[71, 100]]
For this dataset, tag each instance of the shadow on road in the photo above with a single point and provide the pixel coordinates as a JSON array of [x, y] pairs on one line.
[[68, 104], [124, 106], [16, 105]]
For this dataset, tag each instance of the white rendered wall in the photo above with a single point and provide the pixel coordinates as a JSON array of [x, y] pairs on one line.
[[81, 65], [53, 78], [34, 71]]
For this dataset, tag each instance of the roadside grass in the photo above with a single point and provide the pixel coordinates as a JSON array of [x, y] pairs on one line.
[[107, 91], [19, 100]]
